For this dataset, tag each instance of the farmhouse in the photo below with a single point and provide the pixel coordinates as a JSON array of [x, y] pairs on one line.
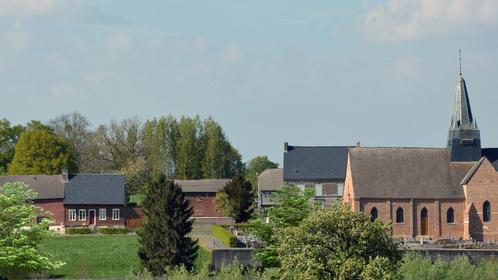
[[90, 200]]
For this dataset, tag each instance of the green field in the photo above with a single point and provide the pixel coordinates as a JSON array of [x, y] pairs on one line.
[[97, 256]]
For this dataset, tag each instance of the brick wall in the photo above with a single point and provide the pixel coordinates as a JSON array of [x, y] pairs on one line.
[[203, 204], [108, 222], [481, 187], [54, 206]]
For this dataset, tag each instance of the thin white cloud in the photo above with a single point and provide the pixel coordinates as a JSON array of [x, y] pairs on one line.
[[407, 67], [8, 7], [119, 40], [398, 20], [199, 43], [17, 36]]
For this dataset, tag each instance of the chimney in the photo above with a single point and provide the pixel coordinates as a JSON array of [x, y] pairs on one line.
[[286, 146], [358, 144], [65, 175]]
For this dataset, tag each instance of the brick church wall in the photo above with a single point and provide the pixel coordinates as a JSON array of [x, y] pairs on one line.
[[481, 187]]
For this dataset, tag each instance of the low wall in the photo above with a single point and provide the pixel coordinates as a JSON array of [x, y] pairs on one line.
[[225, 257], [475, 255]]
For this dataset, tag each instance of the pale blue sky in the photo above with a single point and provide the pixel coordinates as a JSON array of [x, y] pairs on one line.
[[306, 72]]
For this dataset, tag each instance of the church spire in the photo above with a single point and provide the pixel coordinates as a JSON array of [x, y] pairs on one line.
[[464, 140]]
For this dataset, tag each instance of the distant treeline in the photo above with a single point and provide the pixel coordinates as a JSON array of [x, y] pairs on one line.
[[185, 148]]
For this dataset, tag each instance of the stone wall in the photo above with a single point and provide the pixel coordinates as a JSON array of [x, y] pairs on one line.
[[225, 257], [476, 255]]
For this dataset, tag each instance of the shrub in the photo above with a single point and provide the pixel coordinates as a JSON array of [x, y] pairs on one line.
[[114, 230], [227, 238], [78, 230]]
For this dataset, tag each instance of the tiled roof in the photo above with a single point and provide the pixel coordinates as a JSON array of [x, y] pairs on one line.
[[203, 185], [47, 186], [315, 163], [105, 189], [271, 179], [406, 173]]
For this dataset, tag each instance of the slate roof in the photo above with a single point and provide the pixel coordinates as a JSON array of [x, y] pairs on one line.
[[492, 155], [271, 179], [406, 173], [47, 186], [315, 163], [103, 189], [203, 185]]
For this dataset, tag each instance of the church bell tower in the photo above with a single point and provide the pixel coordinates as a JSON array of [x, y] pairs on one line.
[[464, 140]]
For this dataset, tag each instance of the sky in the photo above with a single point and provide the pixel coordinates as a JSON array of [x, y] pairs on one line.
[[305, 72]]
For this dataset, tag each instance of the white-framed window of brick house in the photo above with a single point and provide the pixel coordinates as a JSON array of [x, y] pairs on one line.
[[82, 214], [115, 214], [102, 214], [71, 214]]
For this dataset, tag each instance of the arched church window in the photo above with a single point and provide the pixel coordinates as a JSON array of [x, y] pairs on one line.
[[400, 216], [486, 211], [450, 216], [374, 214]]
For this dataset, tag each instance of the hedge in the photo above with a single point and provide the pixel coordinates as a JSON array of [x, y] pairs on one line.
[[114, 230], [78, 230], [227, 238]]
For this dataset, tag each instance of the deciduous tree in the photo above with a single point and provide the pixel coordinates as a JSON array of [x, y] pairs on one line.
[[41, 152], [256, 166], [164, 239], [189, 149], [20, 234], [337, 243], [9, 136]]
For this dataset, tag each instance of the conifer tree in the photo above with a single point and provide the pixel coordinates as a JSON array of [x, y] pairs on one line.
[[164, 238], [236, 198]]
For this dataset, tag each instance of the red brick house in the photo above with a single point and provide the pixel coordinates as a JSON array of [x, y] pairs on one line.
[[202, 195], [89, 200]]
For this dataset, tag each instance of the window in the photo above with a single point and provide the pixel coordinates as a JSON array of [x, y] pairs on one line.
[[450, 216], [374, 214], [115, 214], [82, 214], [102, 214], [486, 212], [400, 216], [72, 214], [318, 189]]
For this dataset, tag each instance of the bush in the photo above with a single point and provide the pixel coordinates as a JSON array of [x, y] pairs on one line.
[[78, 230], [227, 238], [114, 230]]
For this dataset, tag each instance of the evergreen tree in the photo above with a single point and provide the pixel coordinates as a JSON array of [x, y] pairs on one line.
[[236, 198], [164, 240]]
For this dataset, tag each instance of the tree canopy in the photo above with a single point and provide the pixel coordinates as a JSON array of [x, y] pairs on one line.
[[20, 235], [256, 166], [236, 198], [164, 239], [338, 243], [41, 152]]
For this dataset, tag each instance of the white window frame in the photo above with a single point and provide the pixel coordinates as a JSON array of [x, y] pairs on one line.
[[114, 211], [80, 212], [71, 213], [102, 214]]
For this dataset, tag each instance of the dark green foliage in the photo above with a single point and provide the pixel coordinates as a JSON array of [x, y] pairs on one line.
[[224, 235], [256, 166], [78, 230], [114, 230], [164, 239], [236, 198], [9, 135], [41, 152]]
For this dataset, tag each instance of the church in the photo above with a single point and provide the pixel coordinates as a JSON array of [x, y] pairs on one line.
[[426, 193], [430, 193]]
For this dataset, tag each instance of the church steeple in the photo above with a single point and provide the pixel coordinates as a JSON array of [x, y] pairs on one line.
[[464, 140]]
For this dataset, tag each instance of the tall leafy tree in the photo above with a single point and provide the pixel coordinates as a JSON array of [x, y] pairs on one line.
[[160, 137], [75, 128], [214, 140], [337, 243], [41, 152], [256, 166], [164, 239], [189, 149], [9, 136], [236, 198], [20, 235]]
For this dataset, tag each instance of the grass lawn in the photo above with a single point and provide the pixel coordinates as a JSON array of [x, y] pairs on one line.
[[98, 256], [137, 198]]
